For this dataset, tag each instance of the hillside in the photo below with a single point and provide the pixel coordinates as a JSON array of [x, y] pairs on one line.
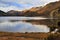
[[44, 11], [35, 11]]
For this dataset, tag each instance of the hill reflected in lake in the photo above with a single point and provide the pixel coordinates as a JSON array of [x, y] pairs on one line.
[[20, 26]]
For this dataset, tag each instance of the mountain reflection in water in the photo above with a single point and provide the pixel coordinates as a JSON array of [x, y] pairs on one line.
[[15, 24]]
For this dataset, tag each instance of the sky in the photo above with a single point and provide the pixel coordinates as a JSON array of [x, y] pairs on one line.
[[6, 5]]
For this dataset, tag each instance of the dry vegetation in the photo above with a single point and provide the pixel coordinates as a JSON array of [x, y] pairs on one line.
[[28, 36]]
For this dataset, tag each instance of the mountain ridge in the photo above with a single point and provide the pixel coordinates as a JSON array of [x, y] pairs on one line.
[[35, 11]]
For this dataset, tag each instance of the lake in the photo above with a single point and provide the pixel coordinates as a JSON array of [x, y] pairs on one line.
[[20, 26]]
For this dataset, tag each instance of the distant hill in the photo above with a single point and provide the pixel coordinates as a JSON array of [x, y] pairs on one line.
[[2, 13], [15, 13], [35, 11]]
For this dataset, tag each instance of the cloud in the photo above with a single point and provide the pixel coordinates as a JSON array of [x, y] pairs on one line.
[[22, 4], [22, 27], [31, 2], [9, 8]]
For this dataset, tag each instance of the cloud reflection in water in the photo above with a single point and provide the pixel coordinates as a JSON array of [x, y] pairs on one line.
[[20, 26]]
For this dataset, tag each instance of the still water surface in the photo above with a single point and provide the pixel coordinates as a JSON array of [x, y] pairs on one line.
[[20, 26]]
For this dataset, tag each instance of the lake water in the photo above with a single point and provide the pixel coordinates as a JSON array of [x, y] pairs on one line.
[[21, 18], [20, 26]]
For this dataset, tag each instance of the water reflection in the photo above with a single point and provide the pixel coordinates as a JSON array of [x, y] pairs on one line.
[[14, 24], [21, 18]]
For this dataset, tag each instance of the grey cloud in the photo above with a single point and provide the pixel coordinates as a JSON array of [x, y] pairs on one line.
[[5, 4], [33, 2]]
